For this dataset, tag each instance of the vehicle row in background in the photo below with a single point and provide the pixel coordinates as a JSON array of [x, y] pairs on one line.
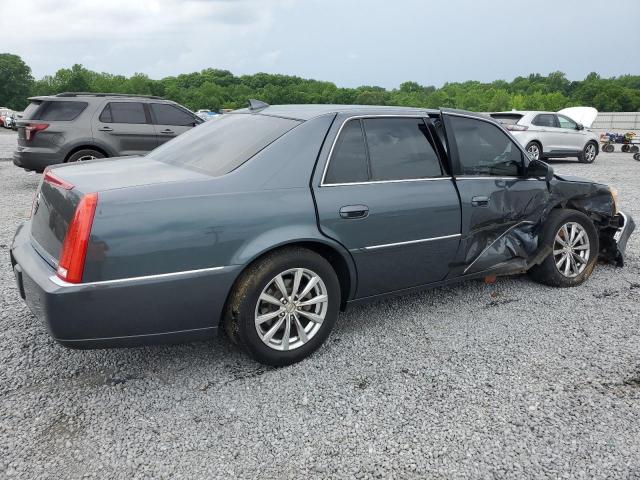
[[628, 141], [71, 127], [554, 134], [205, 114]]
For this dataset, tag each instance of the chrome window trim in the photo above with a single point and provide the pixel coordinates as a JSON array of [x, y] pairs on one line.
[[484, 177], [360, 117], [58, 281], [409, 242]]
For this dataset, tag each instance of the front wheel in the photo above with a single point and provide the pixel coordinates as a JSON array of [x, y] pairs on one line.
[[573, 239], [534, 150], [284, 306], [589, 153]]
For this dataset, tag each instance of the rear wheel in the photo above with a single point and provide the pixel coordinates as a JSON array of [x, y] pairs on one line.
[[84, 155], [573, 239], [534, 150], [625, 148], [284, 306], [589, 153], [608, 148], [634, 149]]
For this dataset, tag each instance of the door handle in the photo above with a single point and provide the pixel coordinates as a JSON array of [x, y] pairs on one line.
[[167, 131], [106, 129], [354, 211], [480, 201]]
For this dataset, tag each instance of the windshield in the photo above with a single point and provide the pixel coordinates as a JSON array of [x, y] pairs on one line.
[[221, 145]]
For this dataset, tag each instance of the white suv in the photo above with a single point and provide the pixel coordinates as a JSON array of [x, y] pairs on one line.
[[553, 135]]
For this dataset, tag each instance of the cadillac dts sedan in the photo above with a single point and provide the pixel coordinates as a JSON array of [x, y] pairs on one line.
[[268, 221]]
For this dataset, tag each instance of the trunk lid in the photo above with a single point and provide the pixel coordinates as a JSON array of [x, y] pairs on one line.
[[57, 198]]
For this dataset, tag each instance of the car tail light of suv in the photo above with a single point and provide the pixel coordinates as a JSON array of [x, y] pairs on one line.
[[74, 246], [31, 129], [516, 128]]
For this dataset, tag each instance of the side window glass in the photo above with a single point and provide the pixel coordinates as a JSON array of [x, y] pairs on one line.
[[566, 122], [545, 120], [484, 150], [400, 149], [123, 112], [166, 114], [348, 162]]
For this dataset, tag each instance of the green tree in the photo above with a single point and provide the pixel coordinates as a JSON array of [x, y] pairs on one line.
[[16, 81]]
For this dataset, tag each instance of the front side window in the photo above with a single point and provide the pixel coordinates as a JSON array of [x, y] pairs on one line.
[[567, 122], [348, 163], [166, 114], [400, 149], [545, 120], [484, 149], [219, 146], [53, 111], [123, 112]]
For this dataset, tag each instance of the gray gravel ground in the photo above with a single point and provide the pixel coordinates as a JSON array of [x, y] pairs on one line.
[[510, 380]]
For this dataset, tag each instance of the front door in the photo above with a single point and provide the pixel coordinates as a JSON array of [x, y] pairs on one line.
[[501, 208], [574, 138], [384, 195], [126, 128]]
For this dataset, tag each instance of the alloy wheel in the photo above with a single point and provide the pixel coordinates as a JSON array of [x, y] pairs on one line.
[[534, 152], [571, 249], [590, 152], [291, 309], [84, 158]]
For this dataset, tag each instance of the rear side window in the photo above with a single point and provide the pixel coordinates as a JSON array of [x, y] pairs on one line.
[[55, 111], [545, 120], [221, 145], [166, 114], [348, 163], [123, 112], [400, 149], [484, 149]]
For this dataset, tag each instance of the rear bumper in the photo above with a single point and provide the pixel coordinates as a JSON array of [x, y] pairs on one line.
[[36, 158], [128, 312]]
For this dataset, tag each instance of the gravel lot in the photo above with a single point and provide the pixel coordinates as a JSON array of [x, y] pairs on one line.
[[510, 380]]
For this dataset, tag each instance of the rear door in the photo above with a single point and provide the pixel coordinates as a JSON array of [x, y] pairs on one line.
[[126, 127], [171, 120], [551, 136], [384, 195], [500, 206]]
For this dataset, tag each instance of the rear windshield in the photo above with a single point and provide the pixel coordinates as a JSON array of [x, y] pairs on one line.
[[221, 145], [507, 118], [54, 111]]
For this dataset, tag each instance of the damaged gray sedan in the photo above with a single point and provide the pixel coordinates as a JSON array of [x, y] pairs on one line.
[[268, 221]]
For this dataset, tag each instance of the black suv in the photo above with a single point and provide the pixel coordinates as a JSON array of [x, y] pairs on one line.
[[71, 127]]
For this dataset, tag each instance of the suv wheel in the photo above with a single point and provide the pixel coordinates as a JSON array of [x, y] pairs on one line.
[[284, 306], [589, 153], [574, 241], [534, 150], [84, 155]]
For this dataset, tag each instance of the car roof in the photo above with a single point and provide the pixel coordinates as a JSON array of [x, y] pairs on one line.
[[309, 111], [521, 112]]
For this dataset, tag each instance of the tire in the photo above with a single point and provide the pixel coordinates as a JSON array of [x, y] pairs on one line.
[[634, 149], [589, 153], [608, 148], [246, 304], [84, 155], [625, 148], [636, 156], [534, 150], [552, 270]]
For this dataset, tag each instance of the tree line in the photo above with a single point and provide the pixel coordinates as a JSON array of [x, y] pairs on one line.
[[215, 89]]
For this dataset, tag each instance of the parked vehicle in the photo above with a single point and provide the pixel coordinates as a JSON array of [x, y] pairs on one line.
[[74, 127], [206, 114], [553, 135], [4, 113], [271, 219], [14, 120]]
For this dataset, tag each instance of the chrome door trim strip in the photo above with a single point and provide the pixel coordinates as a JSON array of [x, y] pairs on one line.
[[410, 242], [374, 182], [499, 237], [335, 140], [61, 283]]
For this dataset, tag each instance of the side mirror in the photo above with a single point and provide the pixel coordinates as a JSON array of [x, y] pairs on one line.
[[537, 168], [579, 126]]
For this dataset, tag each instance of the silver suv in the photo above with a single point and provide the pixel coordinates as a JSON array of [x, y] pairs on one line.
[[72, 127], [550, 135]]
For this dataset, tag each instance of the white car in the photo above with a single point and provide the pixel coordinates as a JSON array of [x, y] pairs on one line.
[[554, 134]]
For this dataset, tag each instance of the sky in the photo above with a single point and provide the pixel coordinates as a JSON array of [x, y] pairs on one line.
[[348, 42]]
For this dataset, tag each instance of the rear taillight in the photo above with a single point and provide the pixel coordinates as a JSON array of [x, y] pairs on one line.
[[31, 129], [516, 128], [74, 247]]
